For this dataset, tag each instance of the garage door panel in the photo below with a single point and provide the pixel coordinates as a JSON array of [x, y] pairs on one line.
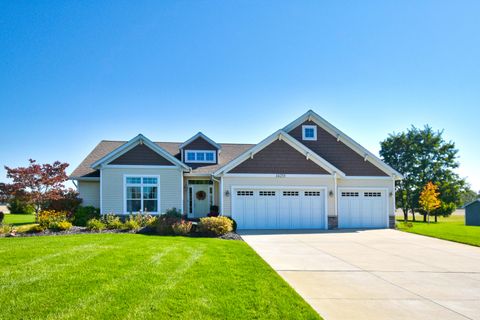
[[275, 208], [358, 208]]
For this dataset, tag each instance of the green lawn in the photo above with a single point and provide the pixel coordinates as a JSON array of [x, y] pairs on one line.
[[452, 228], [130, 276], [19, 219]]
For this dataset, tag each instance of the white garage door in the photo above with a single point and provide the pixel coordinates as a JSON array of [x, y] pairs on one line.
[[274, 208], [362, 208]]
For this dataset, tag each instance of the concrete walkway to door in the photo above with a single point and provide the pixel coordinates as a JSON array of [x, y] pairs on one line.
[[375, 274]]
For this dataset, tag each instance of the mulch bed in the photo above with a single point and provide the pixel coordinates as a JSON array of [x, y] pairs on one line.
[[84, 230]]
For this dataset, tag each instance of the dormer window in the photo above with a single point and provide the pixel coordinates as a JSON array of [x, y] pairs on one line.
[[200, 156], [309, 132]]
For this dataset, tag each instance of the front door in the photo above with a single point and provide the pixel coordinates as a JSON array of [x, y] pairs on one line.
[[200, 198]]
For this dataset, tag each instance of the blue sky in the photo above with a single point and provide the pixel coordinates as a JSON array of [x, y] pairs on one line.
[[73, 73]]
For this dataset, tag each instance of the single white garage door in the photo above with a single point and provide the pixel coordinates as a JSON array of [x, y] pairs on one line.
[[362, 208], [274, 208]]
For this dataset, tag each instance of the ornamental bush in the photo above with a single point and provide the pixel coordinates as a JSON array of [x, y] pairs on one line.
[[36, 228], [60, 226], [182, 228], [83, 214], [165, 221], [131, 224], [2, 216], [215, 226], [95, 225], [112, 222], [49, 217], [5, 228]]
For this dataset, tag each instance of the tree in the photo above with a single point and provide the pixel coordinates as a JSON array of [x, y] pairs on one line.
[[468, 195], [36, 184], [429, 199], [422, 155]]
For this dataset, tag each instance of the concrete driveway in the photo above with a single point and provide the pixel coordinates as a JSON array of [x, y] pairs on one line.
[[376, 274]]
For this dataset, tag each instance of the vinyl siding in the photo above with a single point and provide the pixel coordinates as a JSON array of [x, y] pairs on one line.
[[228, 182], [279, 157], [113, 187], [337, 153], [89, 192]]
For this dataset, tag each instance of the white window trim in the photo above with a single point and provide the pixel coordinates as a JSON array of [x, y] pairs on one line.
[[125, 184], [305, 126], [214, 152]]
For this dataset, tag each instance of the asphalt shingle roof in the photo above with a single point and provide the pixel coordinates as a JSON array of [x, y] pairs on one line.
[[228, 152]]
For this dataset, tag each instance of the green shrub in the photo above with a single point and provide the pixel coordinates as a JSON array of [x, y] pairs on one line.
[[36, 228], [68, 201], [215, 226], [5, 228], [2, 216], [173, 213], [182, 228], [131, 224], [234, 224], [60, 226], [112, 222], [143, 220], [165, 222], [19, 206], [47, 217], [83, 214], [95, 225]]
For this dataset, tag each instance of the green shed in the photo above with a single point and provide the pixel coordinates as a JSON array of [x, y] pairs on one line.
[[472, 213]]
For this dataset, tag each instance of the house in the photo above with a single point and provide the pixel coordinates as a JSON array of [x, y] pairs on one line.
[[472, 213], [307, 175]]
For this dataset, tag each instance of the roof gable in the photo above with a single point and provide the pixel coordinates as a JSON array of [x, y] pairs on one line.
[[337, 153], [279, 157], [141, 155], [200, 142], [280, 135], [139, 139], [342, 139]]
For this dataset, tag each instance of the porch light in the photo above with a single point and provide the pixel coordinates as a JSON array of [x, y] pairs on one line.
[[330, 194], [227, 193], [391, 194]]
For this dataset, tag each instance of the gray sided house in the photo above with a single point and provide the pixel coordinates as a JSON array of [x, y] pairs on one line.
[[307, 175], [472, 213]]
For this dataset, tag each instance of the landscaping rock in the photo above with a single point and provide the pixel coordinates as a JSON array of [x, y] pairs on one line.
[[231, 236]]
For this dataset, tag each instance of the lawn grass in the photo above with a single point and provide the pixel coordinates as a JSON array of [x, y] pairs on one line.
[[132, 276], [452, 228], [19, 219]]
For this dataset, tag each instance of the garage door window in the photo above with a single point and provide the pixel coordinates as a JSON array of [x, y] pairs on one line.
[[349, 194], [372, 194], [290, 193], [244, 193], [267, 193], [312, 193]]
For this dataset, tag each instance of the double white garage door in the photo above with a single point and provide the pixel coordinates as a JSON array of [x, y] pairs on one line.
[[291, 208], [275, 208]]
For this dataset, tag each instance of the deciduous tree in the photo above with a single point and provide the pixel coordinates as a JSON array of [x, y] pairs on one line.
[[429, 199], [37, 183]]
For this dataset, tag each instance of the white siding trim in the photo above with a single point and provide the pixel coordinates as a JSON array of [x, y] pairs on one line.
[[366, 177], [101, 192], [275, 175], [221, 196], [133, 166]]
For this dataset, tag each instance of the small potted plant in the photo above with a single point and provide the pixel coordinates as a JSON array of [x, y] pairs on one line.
[[213, 211]]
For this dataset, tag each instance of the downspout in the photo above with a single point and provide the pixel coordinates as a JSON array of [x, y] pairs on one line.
[[335, 194], [220, 190]]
